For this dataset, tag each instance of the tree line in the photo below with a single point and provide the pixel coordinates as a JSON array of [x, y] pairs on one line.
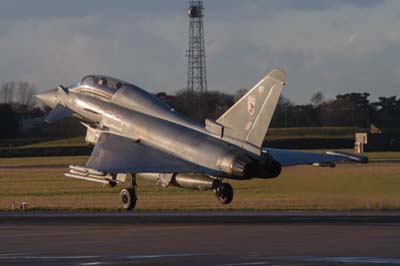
[[17, 104], [347, 110], [20, 94], [17, 101]]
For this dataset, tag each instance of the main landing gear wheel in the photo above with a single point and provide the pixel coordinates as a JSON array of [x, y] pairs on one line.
[[128, 198], [224, 193], [128, 195]]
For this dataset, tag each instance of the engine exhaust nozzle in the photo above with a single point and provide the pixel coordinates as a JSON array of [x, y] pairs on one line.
[[246, 167]]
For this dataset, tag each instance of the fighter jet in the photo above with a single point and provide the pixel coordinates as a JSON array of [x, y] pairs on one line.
[[136, 135]]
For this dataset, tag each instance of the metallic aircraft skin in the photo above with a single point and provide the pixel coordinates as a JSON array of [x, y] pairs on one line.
[[169, 137], [137, 134]]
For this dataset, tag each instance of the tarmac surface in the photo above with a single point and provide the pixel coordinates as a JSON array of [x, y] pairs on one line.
[[224, 238]]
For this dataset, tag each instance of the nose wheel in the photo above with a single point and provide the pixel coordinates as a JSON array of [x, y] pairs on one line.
[[224, 193], [128, 196]]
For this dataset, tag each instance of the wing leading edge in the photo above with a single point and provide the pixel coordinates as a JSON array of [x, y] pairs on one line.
[[292, 158], [116, 154]]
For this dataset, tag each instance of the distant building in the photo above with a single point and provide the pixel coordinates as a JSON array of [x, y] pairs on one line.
[[366, 142]]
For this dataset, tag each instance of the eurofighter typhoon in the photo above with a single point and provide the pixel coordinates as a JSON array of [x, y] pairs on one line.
[[136, 135]]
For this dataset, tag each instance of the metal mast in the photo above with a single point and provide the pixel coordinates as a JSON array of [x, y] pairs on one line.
[[197, 75]]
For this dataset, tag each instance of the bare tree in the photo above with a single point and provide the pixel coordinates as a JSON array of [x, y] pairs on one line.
[[21, 93], [24, 95], [7, 92], [317, 99]]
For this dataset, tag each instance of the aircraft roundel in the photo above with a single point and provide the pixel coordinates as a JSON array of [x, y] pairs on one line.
[[251, 105]]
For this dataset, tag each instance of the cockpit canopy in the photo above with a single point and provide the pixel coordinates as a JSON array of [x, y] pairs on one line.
[[102, 86]]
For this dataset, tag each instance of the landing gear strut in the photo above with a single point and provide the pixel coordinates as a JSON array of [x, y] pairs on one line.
[[224, 193], [128, 195]]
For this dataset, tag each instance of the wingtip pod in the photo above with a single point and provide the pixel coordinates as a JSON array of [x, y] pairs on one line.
[[278, 75]]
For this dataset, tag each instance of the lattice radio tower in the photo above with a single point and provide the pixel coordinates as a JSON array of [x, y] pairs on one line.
[[197, 74]]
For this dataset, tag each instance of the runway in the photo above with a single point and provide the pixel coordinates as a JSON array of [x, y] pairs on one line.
[[226, 238]]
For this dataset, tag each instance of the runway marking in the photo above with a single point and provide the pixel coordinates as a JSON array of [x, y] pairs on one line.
[[38, 257], [156, 256], [245, 263], [358, 260], [369, 260], [13, 254], [28, 256]]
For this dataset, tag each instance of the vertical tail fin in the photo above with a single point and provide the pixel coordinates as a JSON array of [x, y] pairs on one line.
[[249, 118]]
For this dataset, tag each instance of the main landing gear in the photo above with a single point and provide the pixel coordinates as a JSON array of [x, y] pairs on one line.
[[224, 193], [128, 195]]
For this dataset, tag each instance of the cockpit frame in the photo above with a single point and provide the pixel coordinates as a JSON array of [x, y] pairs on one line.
[[101, 86]]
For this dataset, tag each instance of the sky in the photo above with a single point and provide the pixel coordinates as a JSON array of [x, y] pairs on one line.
[[331, 46]]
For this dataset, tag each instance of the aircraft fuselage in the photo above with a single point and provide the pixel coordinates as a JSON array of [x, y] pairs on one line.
[[222, 158]]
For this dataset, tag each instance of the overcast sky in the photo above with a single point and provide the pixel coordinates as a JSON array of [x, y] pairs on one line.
[[324, 45]]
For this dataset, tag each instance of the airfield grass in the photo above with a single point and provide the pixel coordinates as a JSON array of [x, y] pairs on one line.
[[311, 132], [66, 142], [374, 186]]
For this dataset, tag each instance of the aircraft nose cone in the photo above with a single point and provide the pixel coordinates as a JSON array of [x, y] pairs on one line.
[[49, 98]]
